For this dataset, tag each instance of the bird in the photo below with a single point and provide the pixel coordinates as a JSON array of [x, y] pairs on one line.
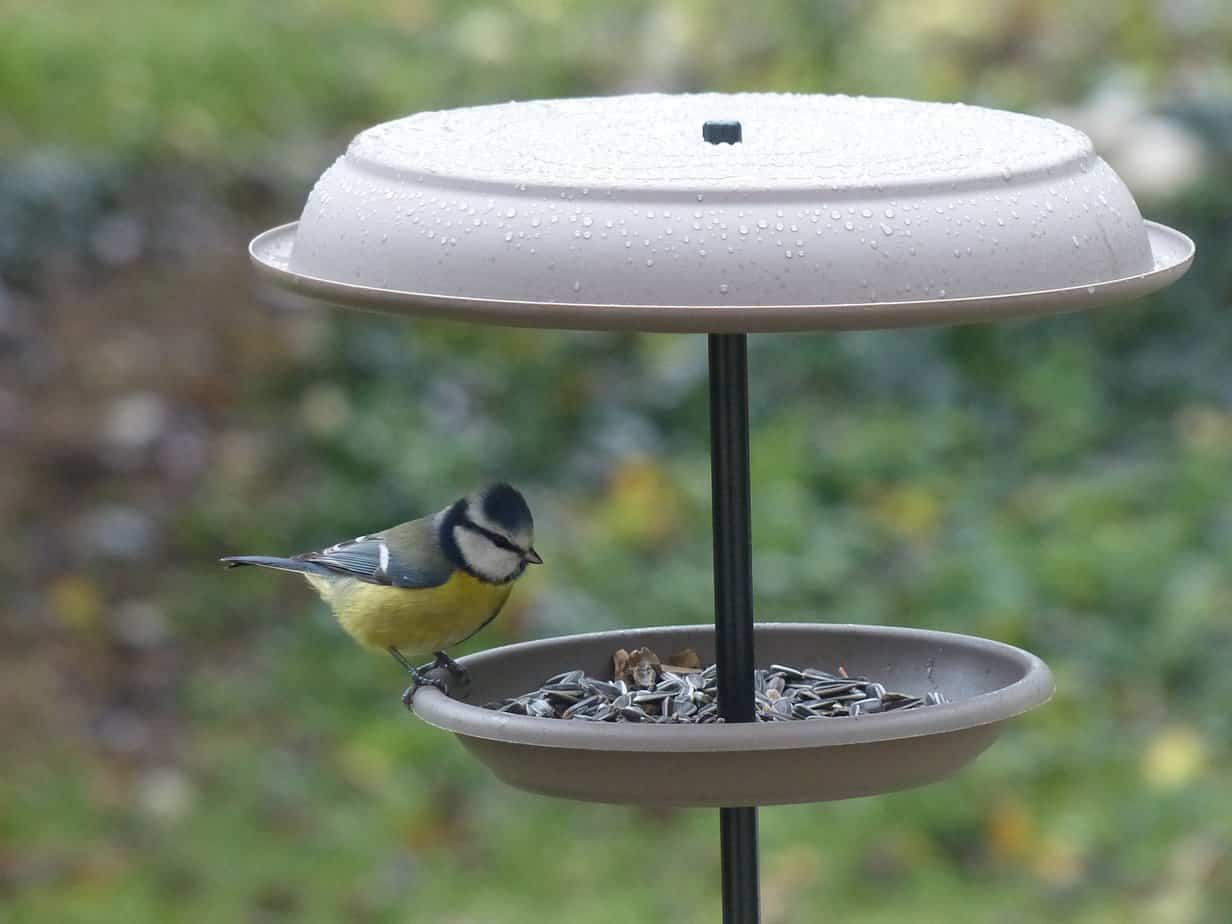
[[425, 585]]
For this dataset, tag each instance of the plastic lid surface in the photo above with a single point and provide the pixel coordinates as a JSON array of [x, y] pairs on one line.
[[825, 201]]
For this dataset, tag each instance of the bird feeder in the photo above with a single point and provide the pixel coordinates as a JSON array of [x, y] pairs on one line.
[[728, 215]]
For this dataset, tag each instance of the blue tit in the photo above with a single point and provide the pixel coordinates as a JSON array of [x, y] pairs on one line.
[[425, 585]]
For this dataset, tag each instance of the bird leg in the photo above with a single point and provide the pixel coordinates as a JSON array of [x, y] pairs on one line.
[[456, 670], [418, 678]]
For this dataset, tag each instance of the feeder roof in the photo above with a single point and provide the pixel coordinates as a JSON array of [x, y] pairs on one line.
[[615, 212]]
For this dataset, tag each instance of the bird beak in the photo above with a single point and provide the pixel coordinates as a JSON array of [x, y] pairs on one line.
[[533, 557]]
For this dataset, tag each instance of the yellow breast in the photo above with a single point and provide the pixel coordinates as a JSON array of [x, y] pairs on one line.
[[414, 621]]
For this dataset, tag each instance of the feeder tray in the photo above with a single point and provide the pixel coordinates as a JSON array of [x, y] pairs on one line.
[[776, 763]]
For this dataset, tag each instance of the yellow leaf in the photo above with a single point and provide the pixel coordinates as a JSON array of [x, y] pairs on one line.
[[1174, 757], [910, 511], [1010, 831], [641, 505], [77, 602]]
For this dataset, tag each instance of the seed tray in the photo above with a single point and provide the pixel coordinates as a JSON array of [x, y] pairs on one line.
[[986, 683]]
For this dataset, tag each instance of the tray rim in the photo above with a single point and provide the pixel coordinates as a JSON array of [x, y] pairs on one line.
[[1033, 688]]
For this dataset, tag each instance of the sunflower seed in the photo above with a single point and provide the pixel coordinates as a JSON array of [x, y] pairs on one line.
[[646, 690]]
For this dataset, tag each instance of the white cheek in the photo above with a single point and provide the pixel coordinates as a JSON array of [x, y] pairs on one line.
[[486, 558]]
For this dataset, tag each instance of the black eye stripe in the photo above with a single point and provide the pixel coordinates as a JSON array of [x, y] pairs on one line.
[[494, 538]]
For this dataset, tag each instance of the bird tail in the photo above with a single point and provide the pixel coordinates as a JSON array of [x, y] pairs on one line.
[[278, 564]]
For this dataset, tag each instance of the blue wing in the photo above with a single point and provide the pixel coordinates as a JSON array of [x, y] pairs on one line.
[[405, 556]]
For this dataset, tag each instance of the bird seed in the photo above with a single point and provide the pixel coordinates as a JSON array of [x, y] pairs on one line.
[[645, 688]]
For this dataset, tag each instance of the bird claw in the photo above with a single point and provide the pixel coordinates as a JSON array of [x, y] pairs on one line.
[[421, 680]]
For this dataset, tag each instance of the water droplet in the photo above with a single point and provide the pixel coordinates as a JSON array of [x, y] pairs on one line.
[[743, 229], [588, 221], [849, 226], [889, 213], [650, 261], [835, 214], [723, 287], [1077, 243], [510, 213], [867, 213], [577, 285], [762, 223], [886, 230], [509, 235], [534, 222]]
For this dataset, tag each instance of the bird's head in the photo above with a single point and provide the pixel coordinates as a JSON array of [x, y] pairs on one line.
[[490, 533]]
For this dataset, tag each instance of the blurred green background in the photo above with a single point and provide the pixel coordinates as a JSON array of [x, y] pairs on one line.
[[183, 744]]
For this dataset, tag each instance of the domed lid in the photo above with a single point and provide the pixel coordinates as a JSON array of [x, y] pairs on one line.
[[715, 212]]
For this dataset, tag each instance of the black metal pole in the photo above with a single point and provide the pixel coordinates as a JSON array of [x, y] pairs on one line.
[[733, 600]]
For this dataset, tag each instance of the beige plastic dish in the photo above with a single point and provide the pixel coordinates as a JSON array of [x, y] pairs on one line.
[[988, 684]]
